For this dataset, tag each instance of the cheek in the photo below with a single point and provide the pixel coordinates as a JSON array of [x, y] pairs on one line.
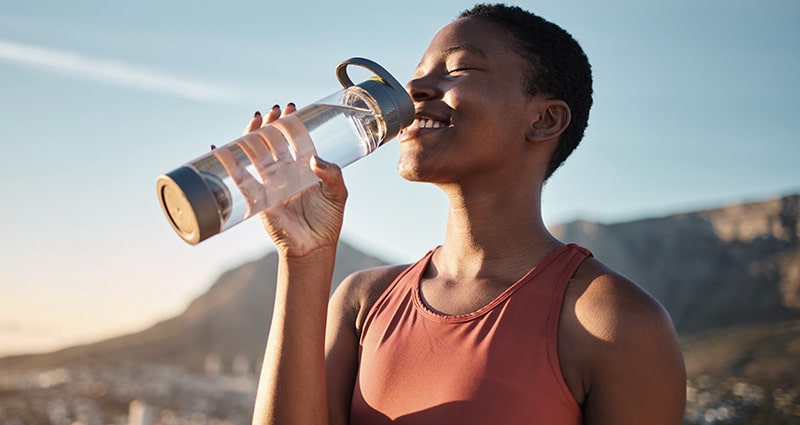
[[481, 107], [489, 123]]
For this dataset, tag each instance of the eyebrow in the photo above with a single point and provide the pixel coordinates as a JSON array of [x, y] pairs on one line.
[[458, 48], [465, 47]]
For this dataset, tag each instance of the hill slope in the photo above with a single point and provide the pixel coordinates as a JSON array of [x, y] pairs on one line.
[[763, 354], [730, 278], [728, 266], [230, 320]]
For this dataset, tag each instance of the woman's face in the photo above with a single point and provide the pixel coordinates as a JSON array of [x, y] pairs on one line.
[[472, 110]]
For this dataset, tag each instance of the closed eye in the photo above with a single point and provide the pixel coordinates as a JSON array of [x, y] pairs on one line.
[[458, 71]]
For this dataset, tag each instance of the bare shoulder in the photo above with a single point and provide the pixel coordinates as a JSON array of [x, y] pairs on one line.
[[359, 291], [347, 310], [628, 366], [610, 306]]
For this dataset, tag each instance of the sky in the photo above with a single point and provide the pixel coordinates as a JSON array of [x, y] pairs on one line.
[[695, 107]]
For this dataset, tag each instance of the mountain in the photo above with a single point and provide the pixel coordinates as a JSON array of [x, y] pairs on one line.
[[229, 321], [736, 265], [765, 354], [735, 268]]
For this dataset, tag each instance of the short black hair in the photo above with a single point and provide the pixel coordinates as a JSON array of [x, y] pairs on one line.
[[558, 67]]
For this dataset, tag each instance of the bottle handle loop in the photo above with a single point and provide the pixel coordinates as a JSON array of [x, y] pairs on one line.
[[383, 74]]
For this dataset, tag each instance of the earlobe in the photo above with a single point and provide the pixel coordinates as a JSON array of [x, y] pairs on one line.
[[551, 121]]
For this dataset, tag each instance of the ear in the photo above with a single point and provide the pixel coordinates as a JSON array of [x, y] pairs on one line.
[[550, 122]]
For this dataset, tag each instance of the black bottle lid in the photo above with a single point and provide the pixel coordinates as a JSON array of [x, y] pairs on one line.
[[189, 204], [392, 98]]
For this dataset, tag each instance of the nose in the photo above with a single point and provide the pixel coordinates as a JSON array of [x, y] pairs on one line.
[[423, 88]]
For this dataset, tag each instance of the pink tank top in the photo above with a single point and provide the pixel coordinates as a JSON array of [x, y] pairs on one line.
[[497, 365]]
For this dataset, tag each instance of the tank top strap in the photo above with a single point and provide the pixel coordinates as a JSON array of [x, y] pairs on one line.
[[575, 255], [555, 270], [403, 282], [569, 262]]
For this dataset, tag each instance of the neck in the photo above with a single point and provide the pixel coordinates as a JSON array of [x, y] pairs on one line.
[[495, 234]]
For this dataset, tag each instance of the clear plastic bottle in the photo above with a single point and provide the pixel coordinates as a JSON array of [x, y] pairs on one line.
[[267, 166]]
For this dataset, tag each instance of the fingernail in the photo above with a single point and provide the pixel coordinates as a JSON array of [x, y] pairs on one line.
[[213, 147], [321, 162], [276, 107], [291, 104], [257, 114]]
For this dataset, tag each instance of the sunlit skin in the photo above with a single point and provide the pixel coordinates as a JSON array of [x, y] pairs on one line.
[[486, 144], [490, 157]]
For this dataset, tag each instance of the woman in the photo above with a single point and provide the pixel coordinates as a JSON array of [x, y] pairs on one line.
[[502, 323]]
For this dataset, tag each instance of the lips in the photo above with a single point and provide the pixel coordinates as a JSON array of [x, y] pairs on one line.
[[422, 122], [425, 121]]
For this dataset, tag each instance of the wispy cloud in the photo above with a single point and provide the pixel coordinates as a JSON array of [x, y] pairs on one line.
[[97, 69]]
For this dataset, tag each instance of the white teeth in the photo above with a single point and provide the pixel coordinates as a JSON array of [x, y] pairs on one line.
[[428, 123]]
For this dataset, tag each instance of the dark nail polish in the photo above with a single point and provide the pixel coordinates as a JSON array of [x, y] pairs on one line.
[[322, 162], [213, 147], [276, 107], [257, 114], [291, 104]]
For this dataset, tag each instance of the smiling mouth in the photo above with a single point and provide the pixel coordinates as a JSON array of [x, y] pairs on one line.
[[428, 123]]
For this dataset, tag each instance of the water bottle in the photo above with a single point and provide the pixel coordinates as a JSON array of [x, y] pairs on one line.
[[267, 166]]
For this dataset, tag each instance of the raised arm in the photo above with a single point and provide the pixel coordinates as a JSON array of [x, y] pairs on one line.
[[305, 230]]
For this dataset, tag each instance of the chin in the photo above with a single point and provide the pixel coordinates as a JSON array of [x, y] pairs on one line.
[[409, 174], [415, 168], [412, 172]]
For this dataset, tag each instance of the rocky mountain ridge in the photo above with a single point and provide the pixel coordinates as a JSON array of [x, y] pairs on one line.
[[229, 321], [735, 265], [732, 266]]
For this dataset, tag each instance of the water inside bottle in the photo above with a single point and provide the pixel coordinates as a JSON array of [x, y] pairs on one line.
[[343, 134], [267, 166]]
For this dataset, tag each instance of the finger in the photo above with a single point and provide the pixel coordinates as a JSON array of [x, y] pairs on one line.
[[331, 175], [272, 115], [254, 123], [290, 108]]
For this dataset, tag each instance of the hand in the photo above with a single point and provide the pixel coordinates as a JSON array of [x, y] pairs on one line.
[[313, 218]]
